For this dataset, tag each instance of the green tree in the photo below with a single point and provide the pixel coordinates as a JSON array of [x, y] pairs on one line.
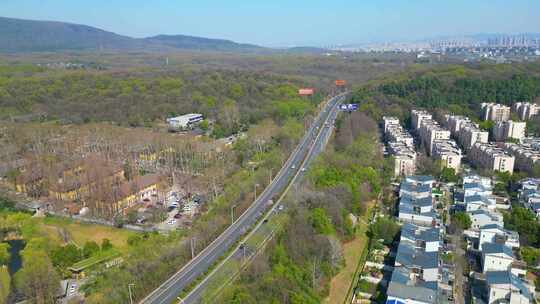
[[65, 256], [106, 245], [525, 223], [448, 175], [90, 248], [4, 253], [37, 279], [384, 228], [5, 284], [321, 221], [530, 255], [461, 220]]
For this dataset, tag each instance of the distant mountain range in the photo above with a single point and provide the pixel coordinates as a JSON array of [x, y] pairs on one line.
[[17, 35]]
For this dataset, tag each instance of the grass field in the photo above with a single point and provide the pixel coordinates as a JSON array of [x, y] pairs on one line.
[[62, 230]]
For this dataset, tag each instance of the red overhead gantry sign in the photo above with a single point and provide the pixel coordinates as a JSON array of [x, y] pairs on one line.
[[306, 92], [340, 82]]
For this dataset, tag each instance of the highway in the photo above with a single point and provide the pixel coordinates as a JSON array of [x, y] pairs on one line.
[[313, 141]]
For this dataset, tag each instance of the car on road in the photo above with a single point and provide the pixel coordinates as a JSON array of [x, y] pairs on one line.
[[178, 215], [293, 167], [171, 208]]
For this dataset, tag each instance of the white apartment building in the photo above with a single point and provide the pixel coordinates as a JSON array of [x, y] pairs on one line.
[[526, 110], [483, 217], [396, 133], [525, 156], [454, 122], [417, 116], [503, 130], [469, 134], [448, 152], [465, 131], [491, 157], [404, 158], [388, 121], [495, 111], [431, 131]]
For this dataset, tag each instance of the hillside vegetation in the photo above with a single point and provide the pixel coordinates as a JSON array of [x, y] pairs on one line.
[[137, 98], [450, 88]]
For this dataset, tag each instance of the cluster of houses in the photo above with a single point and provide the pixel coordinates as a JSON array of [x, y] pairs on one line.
[[501, 273], [87, 182], [419, 275]]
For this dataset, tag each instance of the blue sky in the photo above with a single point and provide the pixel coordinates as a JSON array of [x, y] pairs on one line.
[[293, 22]]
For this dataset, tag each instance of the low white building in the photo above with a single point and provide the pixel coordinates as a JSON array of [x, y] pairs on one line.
[[184, 122], [496, 257], [493, 233], [484, 217]]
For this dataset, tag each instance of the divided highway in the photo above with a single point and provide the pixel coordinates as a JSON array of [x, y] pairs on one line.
[[312, 141]]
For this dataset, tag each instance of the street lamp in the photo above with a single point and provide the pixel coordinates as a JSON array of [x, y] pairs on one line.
[[255, 191], [232, 213]]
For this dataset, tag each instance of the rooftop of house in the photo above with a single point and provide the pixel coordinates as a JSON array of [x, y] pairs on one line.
[[416, 202], [411, 256], [402, 286], [495, 248], [414, 232], [426, 179], [507, 277], [412, 187]]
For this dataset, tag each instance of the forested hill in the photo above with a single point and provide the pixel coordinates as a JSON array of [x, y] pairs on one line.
[[455, 89], [17, 35]]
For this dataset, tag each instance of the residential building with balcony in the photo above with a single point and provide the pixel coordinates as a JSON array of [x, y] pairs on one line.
[[417, 116], [503, 130], [526, 157], [495, 112], [491, 157], [448, 152], [526, 110], [404, 158]]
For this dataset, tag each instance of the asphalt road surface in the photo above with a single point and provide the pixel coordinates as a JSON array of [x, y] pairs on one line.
[[168, 292]]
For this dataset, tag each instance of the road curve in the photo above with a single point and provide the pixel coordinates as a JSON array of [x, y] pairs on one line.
[[170, 289]]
